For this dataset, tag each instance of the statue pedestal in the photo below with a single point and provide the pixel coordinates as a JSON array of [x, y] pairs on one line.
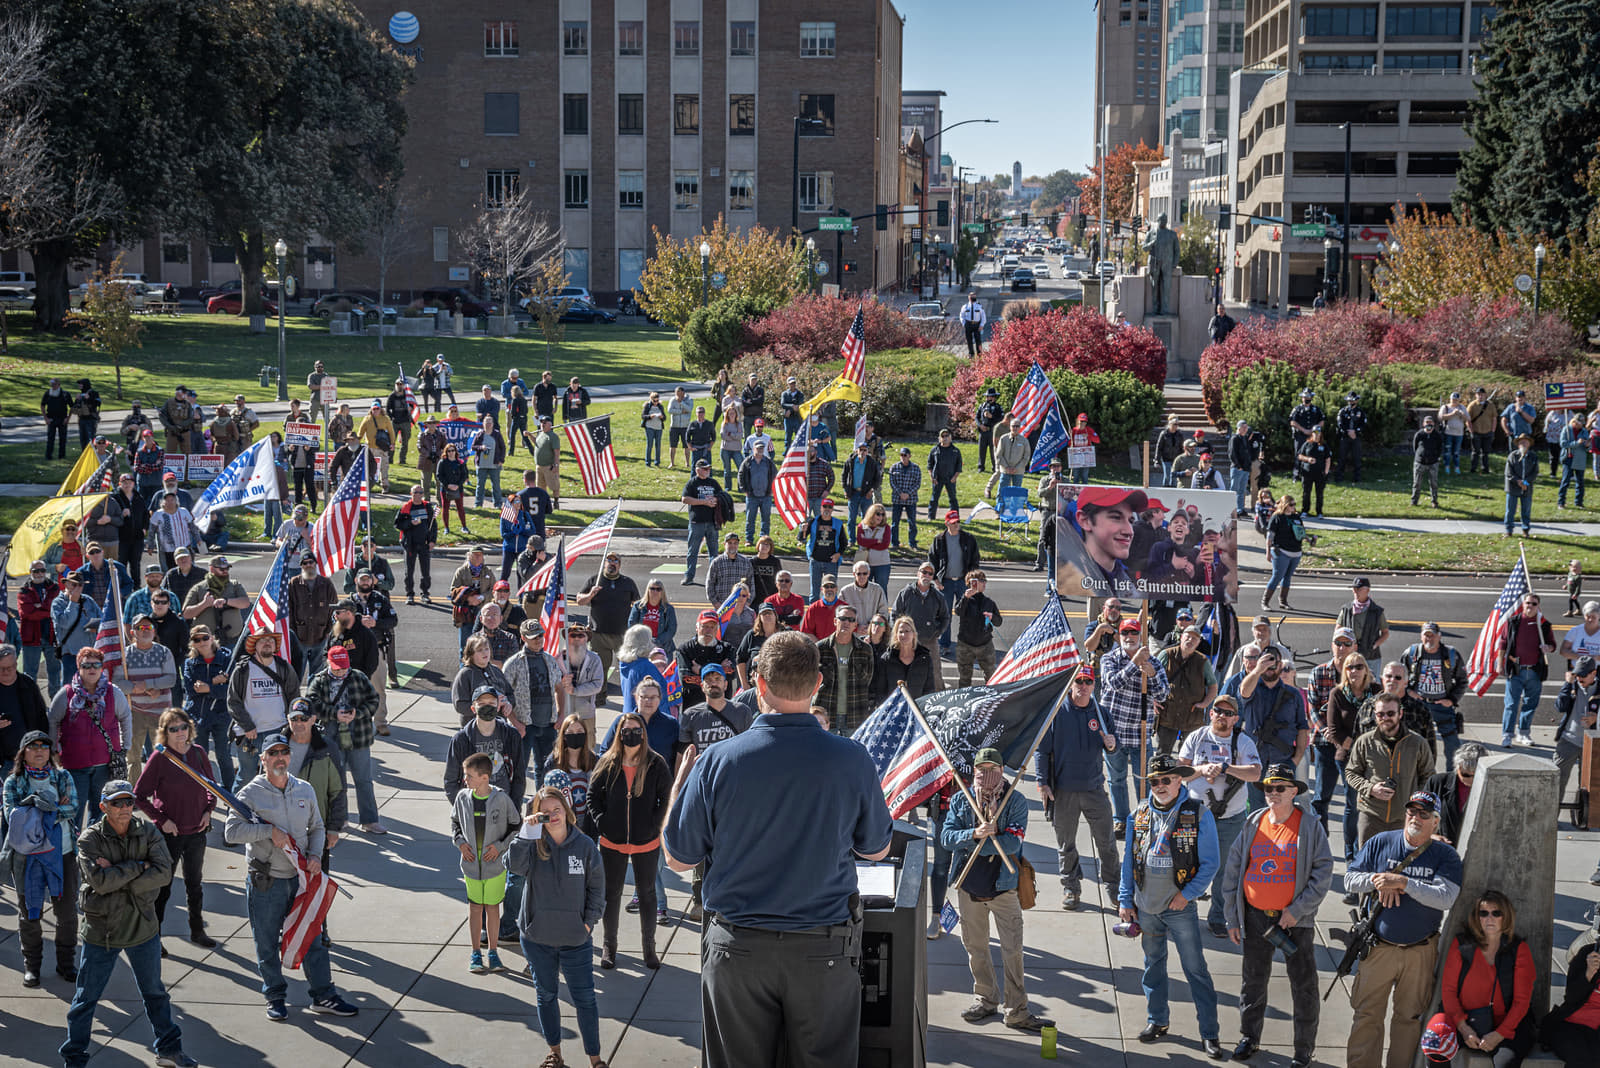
[[1183, 331]]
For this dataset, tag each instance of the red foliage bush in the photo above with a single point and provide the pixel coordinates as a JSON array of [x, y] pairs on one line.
[[1256, 340], [1079, 340], [813, 328], [1498, 335]]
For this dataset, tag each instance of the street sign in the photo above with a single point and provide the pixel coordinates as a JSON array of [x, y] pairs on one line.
[[973, 228], [289, 287], [916, 235], [330, 389], [718, 280], [822, 268], [834, 222], [1307, 230], [1524, 283]]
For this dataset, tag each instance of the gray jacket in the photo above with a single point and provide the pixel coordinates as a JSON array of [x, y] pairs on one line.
[[565, 895], [1313, 869], [587, 682], [293, 810], [499, 828], [75, 624], [239, 681], [927, 610], [518, 673]]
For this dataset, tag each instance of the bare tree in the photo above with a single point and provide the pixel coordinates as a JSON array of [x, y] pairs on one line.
[[546, 304], [507, 243], [392, 236]]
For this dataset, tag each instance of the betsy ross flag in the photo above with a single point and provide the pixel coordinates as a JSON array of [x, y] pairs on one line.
[[108, 638], [594, 536], [554, 616], [271, 615], [1483, 666], [597, 459], [334, 534], [1045, 647], [1036, 397], [309, 910], [1564, 396], [908, 763], [789, 488]]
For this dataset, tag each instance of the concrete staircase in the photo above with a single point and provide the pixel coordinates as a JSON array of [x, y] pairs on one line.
[[1184, 401]]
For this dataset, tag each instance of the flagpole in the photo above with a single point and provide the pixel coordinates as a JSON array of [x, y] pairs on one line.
[[939, 746], [1144, 705], [122, 633], [1023, 770], [612, 530]]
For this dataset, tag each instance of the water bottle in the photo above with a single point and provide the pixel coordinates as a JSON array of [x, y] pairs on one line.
[[1047, 1043], [1131, 929]]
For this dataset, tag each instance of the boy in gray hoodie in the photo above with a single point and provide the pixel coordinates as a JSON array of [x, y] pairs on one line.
[[483, 825]]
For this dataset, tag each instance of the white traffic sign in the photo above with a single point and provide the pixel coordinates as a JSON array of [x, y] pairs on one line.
[[330, 389]]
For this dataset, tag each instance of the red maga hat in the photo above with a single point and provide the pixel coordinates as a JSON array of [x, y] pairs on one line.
[[1108, 496]]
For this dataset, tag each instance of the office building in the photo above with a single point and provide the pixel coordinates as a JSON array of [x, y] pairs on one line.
[[1203, 40], [1400, 74], [1129, 72]]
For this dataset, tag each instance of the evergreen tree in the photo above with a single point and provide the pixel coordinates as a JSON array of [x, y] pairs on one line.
[[1534, 125]]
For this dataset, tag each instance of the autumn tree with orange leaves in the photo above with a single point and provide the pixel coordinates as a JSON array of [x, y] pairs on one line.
[[1119, 186]]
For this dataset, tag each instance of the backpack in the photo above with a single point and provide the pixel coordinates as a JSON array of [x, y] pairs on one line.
[[383, 440]]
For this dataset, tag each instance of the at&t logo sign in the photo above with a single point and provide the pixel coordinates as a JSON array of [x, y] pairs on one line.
[[403, 30]]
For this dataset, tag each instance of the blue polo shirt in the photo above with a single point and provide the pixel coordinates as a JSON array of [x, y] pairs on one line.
[[1271, 717], [775, 813], [1519, 418]]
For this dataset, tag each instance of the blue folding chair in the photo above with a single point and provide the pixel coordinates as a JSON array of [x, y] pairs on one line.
[[1012, 509]]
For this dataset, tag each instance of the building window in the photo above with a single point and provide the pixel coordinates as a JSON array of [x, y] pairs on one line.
[[441, 244], [501, 114], [1433, 164], [174, 252], [816, 39], [1313, 61], [500, 39], [1220, 88], [741, 115], [817, 106], [686, 113], [1422, 61], [816, 191], [575, 189], [741, 38], [575, 261], [686, 38], [630, 190], [741, 190], [630, 113], [1431, 21], [1438, 112], [1326, 163], [1360, 22], [1184, 83], [575, 113], [685, 190], [630, 265], [221, 254], [500, 186], [1230, 42], [630, 38], [1219, 122], [574, 38], [1482, 15]]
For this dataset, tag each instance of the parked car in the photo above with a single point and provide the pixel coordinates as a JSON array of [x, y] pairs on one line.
[[581, 311], [926, 311], [1022, 278], [564, 293], [15, 298], [448, 297], [224, 288], [17, 280], [233, 304], [323, 306]]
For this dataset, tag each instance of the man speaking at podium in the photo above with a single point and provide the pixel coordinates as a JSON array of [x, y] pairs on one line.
[[778, 815]]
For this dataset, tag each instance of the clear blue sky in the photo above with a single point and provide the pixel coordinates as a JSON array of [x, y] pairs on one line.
[[1031, 66]]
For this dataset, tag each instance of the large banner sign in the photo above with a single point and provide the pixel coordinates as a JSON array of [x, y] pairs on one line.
[[459, 432], [1124, 542]]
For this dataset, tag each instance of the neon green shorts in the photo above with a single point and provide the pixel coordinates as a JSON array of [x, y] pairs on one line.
[[487, 891]]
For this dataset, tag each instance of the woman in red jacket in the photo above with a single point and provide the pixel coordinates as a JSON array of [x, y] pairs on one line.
[[181, 809], [1488, 983]]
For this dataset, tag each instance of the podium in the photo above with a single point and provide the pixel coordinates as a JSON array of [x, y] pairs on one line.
[[894, 961]]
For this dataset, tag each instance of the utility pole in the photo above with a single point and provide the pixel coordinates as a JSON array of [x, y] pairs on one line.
[[1344, 270]]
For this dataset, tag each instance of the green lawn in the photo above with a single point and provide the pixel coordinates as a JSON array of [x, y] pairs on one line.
[[1385, 493], [217, 356], [1400, 551]]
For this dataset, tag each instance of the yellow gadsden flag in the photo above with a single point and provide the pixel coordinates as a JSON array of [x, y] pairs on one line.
[[840, 389], [88, 463], [34, 536]]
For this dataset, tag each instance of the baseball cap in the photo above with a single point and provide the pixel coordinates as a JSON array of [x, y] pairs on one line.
[[308, 557], [1227, 700], [1345, 633], [338, 656], [1424, 800], [713, 669], [1584, 665], [1084, 672], [988, 756], [1196, 631], [1430, 625], [707, 614], [827, 502], [272, 741], [485, 690], [182, 550], [116, 788], [1439, 1042], [301, 708], [1129, 625], [220, 561], [952, 514], [531, 628], [149, 569], [1109, 496], [1263, 618], [1184, 613], [502, 585], [1359, 582], [905, 450], [760, 422]]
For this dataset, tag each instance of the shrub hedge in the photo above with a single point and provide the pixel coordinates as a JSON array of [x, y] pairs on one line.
[[714, 333], [1121, 408], [1263, 395]]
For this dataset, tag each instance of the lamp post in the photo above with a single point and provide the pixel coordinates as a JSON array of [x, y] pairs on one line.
[[281, 250], [705, 271], [811, 261], [922, 200], [1538, 276], [1344, 267]]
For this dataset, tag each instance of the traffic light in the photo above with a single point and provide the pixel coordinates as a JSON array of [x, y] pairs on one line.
[[942, 213], [881, 222], [1024, 219], [1083, 223], [848, 267], [1138, 222], [1052, 223], [1116, 228]]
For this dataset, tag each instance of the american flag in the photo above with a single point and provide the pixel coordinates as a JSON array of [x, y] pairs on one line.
[[309, 910], [860, 431], [270, 615], [594, 536], [854, 349], [1564, 396], [334, 534], [597, 459], [789, 488], [1045, 647], [102, 478], [508, 510], [909, 764], [1483, 666], [1036, 397], [554, 616], [108, 639]]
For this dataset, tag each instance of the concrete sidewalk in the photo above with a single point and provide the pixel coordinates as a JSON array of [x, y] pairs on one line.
[[401, 952]]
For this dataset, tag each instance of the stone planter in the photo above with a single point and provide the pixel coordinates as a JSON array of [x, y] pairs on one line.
[[502, 326], [418, 327], [339, 327], [936, 417]]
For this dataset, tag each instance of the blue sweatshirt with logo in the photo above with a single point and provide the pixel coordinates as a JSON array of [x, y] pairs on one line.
[[1433, 881]]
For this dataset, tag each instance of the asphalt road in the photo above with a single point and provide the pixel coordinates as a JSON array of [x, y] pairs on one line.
[[1458, 603]]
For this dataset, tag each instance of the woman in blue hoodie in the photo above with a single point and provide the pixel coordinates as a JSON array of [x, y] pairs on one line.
[[565, 897]]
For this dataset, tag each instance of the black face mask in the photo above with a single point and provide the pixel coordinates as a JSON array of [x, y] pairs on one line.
[[487, 712], [575, 741], [632, 736]]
